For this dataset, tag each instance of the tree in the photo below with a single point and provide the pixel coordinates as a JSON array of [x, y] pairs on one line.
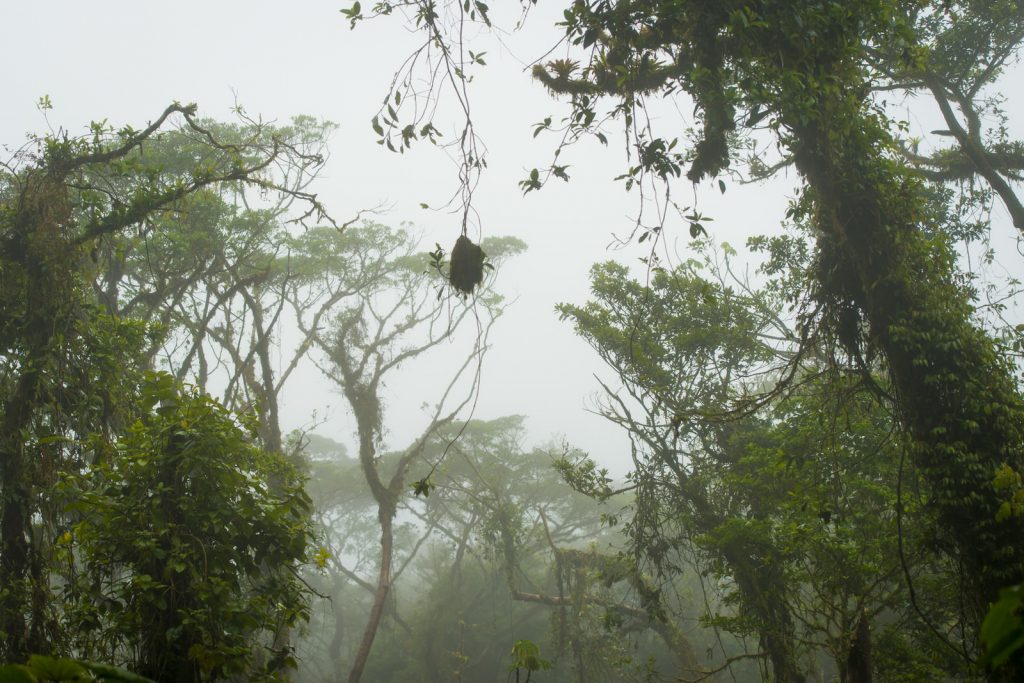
[[388, 319], [968, 45], [516, 555], [188, 542], [805, 72], [213, 272], [958, 402], [783, 484], [347, 528], [683, 349], [61, 196], [510, 509]]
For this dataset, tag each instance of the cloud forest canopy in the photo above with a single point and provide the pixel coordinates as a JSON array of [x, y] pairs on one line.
[[885, 278], [825, 477], [122, 489]]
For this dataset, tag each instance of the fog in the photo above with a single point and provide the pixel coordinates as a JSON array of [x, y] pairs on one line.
[[124, 62], [615, 485]]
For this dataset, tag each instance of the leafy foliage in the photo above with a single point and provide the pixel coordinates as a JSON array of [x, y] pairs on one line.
[[775, 470], [69, 363], [526, 655], [42, 668], [807, 73], [1003, 628], [189, 540]]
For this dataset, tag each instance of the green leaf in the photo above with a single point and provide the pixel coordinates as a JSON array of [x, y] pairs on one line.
[[423, 487], [16, 673], [531, 183], [526, 655], [51, 668], [1002, 632], [1004, 512]]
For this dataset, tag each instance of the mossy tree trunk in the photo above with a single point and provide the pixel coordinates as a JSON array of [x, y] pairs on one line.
[[38, 283], [961, 412], [800, 68]]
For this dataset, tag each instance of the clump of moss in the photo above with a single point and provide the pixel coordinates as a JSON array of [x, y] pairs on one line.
[[467, 265]]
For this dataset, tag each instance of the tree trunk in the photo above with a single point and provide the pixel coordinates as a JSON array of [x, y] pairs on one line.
[[761, 584], [379, 597], [366, 406], [15, 515], [45, 282], [857, 667], [959, 407], [14, 548], [338, 639], [763, 589]]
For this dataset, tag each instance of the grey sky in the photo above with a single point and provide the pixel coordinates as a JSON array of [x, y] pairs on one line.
[[126, 61]]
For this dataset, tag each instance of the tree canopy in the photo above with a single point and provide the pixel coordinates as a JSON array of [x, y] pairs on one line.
[[824, 474]]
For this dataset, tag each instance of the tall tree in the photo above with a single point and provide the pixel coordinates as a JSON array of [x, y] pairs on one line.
[[60, 196], [683, 349], [187, 545], [213, 272], [511, 506], [392, 318], [805, 70], [784, 481]]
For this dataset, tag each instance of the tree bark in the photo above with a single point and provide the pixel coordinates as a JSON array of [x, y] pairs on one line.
[[957, 400], [379, 597], [763, 587], [366, 406], [338, 639], [39, 245]]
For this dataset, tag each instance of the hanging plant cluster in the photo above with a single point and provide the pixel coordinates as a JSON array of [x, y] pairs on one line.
[[466, 269]]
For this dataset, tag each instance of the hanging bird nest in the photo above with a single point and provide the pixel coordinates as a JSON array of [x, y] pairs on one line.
[[467, 265]]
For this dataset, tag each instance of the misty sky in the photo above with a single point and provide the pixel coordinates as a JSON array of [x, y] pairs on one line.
[[125, 61]]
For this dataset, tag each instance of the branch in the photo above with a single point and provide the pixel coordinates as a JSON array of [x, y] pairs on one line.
[[974, 151], [134, 140]]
